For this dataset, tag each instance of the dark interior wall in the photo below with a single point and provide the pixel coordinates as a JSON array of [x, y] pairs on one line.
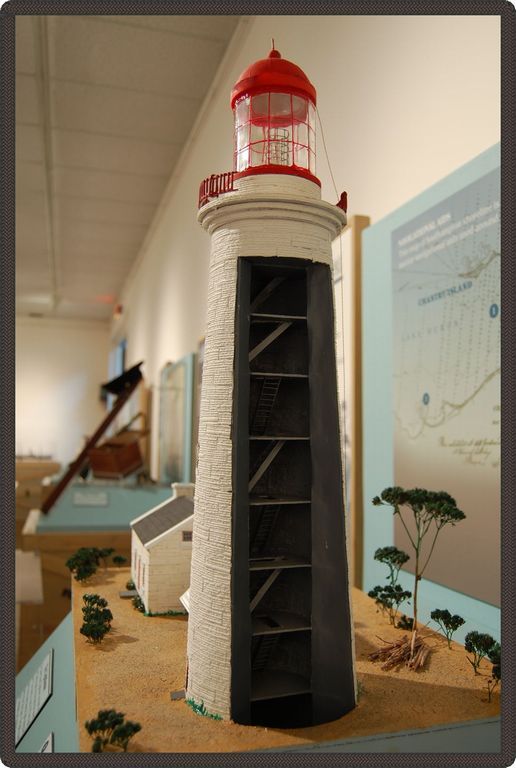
[[332, 653], [240, 617]]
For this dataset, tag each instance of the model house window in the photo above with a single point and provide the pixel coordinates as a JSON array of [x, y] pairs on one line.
[[187, 535]]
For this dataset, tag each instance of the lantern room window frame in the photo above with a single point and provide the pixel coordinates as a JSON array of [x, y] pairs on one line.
[[299, 141]]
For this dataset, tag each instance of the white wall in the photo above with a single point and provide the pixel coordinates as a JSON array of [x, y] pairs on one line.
[[59, 368], [404, 101]]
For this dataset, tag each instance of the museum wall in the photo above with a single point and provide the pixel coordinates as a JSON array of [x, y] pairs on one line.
[[404, 100], [59, 368]]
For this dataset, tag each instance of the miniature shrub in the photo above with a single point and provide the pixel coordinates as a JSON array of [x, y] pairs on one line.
[[200, 709], [447, 623], [119, 560], [97, 618], [495, 657], [85, 561], [390, 596], [138, 604], [110, 728], [480, 645], [130, 584]]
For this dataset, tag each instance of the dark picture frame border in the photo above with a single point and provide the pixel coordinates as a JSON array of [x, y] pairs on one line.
[[9, 10]]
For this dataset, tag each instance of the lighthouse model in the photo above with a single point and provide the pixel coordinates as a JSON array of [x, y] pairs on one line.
[[270, 634]]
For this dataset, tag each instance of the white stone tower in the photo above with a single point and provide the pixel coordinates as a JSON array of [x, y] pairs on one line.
[[269, 636]]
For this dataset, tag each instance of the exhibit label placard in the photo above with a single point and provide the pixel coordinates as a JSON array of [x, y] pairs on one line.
[[33, 697]]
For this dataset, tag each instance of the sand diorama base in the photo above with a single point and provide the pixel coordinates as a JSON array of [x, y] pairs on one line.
[[143, 659]]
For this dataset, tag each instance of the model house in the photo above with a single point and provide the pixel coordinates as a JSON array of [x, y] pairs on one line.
[[161, 550]]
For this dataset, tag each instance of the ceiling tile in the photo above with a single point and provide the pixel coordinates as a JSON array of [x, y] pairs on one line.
[[107, 186], [202, 27], [25, 53], [76, 252], [87, 49], [27, 104], [72, 309], [84, 150], [121, 113], [108, 234], [110, 211], [29, 143]]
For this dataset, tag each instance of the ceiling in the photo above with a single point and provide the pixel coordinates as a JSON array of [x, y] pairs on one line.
[[104, 105]]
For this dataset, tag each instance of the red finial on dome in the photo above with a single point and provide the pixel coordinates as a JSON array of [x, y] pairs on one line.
[[274, 54]]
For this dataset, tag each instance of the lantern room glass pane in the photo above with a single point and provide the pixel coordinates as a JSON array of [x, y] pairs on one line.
[[242, 160], [311, 115], [281, 106], [242, 112], [258, 154], [301, 133], [300, 109], [242, 137], [311, 161], [260, 108], [311, 140], [300, 156], [257, 133]]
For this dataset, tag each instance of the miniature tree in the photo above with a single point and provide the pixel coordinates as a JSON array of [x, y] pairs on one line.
[[480, 645], [102, 554], [97, 618], [85, 561], [496, 672], [110, 728], [82, 564], [431, 511], [447, 623], [119, 560], [391, 595]]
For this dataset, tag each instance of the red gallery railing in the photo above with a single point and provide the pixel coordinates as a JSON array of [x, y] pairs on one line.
[[215, 185]]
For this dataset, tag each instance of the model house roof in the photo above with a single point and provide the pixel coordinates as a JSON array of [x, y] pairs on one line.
[[165, 517]]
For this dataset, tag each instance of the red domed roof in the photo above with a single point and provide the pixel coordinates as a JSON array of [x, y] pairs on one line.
[[275, 75]]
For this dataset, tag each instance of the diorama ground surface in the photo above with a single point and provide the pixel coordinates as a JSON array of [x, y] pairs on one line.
[[143, 659]]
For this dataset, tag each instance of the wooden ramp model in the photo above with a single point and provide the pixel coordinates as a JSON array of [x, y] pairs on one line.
[[123, 387]]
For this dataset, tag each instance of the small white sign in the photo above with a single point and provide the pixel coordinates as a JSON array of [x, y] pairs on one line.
[[90, 499], [48, 745], [33, 697]]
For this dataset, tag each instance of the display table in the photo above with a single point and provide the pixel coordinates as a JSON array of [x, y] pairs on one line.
[[143, 659], [88, 514]]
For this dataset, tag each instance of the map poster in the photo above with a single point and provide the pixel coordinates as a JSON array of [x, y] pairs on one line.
[[446, 368]]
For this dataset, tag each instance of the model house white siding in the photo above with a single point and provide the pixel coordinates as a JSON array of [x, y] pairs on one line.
[[161, 551]]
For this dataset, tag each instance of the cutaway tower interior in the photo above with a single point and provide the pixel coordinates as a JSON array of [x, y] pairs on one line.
[[284, 512]]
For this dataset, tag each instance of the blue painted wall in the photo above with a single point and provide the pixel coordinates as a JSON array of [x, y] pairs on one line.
[[378, 398]]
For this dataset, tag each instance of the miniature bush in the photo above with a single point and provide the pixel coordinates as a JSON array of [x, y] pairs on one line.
[[82, 564], [391, 595], [119, 560], [480, 645], [389, 598], [430, 512], [495, 657], [200, 709], [97, 618], [138, 604], [85, 561], [130, 584], [110, 728], [447, 623]]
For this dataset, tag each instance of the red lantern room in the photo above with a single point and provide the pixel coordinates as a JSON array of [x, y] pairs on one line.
[[274, 112]]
